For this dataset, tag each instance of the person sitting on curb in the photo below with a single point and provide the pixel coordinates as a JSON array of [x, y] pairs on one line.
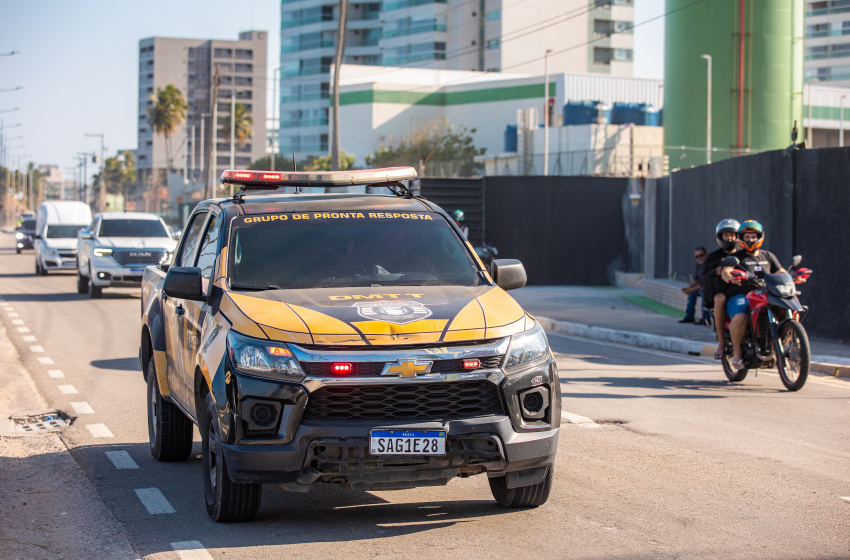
[[693, 289], [713, 286]]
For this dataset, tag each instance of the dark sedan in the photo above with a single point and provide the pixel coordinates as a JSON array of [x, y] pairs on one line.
[[24, 235]]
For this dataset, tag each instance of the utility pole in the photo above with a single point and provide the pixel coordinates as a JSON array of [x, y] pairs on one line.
[[213, 160], [275, 124], [203, 138], [101, 206], [707, 58], [340, 47], [232, 132], [546, 112]]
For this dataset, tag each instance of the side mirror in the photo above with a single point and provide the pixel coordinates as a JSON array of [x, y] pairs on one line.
[[85, 234], [508, 274], [36, 236], [796, 260], [183, 282], [730, 261]]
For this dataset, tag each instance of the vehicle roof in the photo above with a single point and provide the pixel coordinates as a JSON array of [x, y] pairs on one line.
[[129, 216], [262, 204]]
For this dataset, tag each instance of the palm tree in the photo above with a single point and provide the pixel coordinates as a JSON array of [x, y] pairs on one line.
[[167, 114], [244, 125]]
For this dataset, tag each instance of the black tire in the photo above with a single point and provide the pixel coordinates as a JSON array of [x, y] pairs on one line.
[[95, 292], [227, 501], [82, 283], [524, 496], [39, 269], [793, 364], [731, 374], [169, 430], [18, 250]]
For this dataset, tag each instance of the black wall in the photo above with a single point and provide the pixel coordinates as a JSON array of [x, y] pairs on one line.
[[459, 194]]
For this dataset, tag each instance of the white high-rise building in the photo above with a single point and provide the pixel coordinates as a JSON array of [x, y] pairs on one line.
[[584, 36], [828, 41]]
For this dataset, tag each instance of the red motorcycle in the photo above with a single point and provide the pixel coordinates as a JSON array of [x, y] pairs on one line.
[[775, 336]]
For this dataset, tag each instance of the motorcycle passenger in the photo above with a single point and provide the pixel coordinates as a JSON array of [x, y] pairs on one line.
[[755, 261], [713, 286], [457, 216]]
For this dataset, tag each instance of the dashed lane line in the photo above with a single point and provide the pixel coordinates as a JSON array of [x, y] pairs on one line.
[[82, 407], [99, 430], [582, 421], [55, 373], [28, 338], [846, 499], [154, 501], [12, 314], [191, 550], [23, 329], [17, 322], [45, 361], [67, 389], [122, 460], [36, 349]]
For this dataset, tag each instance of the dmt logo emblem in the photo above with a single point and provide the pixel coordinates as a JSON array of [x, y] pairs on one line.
[[397, 312], [407, 368]]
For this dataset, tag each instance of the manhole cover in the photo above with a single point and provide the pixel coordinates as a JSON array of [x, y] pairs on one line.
[[35, 422]]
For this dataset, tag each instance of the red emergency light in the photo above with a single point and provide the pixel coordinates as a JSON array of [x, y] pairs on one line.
[[471, 364], [341, 369]]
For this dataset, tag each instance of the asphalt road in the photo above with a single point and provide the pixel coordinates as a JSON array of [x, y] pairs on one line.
[[662, 458]]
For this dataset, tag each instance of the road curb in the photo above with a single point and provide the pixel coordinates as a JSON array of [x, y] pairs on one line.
[[820, 364]]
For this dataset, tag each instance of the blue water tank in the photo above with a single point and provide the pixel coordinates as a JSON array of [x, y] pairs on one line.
[[641, 114], [585, 112], [510, 138]]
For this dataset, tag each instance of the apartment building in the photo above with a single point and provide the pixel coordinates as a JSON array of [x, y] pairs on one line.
[[582, 36], [190, 64], [828, 42]]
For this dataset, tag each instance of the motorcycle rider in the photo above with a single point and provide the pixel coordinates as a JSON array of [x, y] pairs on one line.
[[713, 286], [756, 262], [457, 216]]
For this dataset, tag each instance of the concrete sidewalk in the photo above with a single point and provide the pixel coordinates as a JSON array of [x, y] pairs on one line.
[[624, 316]]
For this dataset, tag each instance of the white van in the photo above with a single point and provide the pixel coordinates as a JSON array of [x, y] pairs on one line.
[[57, 223]]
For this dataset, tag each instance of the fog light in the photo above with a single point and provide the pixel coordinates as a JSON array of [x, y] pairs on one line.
[[261, 416], [101, 275], [534, 403]]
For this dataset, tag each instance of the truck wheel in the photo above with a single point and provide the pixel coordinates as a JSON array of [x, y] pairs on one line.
[[39, 268], [18, 250], [82, 283], [169, 430], [95, 292], [524, 496], [226, 500]]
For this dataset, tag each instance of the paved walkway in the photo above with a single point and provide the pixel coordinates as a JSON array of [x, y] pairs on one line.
[[621, 314]]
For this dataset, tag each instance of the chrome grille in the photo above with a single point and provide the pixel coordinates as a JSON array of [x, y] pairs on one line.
[[374, 369], [68, 253], [404, 402], [138, 257]]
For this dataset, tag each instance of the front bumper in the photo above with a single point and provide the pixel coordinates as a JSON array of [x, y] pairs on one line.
[[116, 277], [59, 263]]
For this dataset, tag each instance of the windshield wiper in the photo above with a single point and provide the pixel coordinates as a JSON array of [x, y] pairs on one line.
[[257, 288]]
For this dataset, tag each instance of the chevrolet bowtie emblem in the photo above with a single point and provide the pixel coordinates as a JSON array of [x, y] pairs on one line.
[[407, 368]]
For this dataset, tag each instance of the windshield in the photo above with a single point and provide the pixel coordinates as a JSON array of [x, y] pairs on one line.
[[62, 232], [347, 249], [132, 228], [28, 225]]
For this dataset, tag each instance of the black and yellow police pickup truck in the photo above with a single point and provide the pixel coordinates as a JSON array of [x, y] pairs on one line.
[[351, 339]]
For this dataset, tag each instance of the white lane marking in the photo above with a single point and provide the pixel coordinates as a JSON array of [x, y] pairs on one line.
[[17, 322], [12, 314], [704, 362], [846, 499], [122, 460], [45, 361], [191, 550], [82, 407], [154, 501], [36, 348], [23, 329], [67, 389], [28, 338], [55, 373], [99, 430], [582, 421]]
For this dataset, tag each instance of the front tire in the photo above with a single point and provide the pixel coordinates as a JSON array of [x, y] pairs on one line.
[[524, 496], [95, 292], [82, 283], [169, 430], [793, 364], [39, 268], [226, 500]]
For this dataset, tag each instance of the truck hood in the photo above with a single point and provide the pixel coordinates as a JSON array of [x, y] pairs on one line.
[[137, 243], [376, 316], [60, 243]]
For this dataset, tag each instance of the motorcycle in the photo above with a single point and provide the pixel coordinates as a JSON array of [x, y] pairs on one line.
[[486, 253], [775, 336]]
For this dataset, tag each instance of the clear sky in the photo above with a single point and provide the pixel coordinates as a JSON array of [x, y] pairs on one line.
[[78, 60]]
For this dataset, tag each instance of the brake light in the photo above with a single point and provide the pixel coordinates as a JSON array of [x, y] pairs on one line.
[[341, 369], [471, 364]]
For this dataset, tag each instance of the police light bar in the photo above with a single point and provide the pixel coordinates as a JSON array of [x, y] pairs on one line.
[[265, 180]]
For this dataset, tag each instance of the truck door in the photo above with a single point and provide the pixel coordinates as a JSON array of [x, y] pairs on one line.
[[175, 313], [196, 311]]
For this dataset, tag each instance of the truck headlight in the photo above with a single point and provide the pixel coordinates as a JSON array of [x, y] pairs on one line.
[[263, 358], [50, 252], [527, 349], [102, 252], [19, 235]]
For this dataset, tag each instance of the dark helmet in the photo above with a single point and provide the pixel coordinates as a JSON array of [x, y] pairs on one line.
[[727, 226], [751, 226], [457, 215]]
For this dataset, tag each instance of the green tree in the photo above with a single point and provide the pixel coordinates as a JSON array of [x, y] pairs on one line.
[[437, 144], [244, 124], [167, 114], [120, 172], [324, 163], [281, 163]]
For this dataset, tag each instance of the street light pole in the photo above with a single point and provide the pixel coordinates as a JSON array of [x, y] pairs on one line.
[[101, 206], [707, 57], [546, 112], [232, 132], [275, 125], [841, 121]]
